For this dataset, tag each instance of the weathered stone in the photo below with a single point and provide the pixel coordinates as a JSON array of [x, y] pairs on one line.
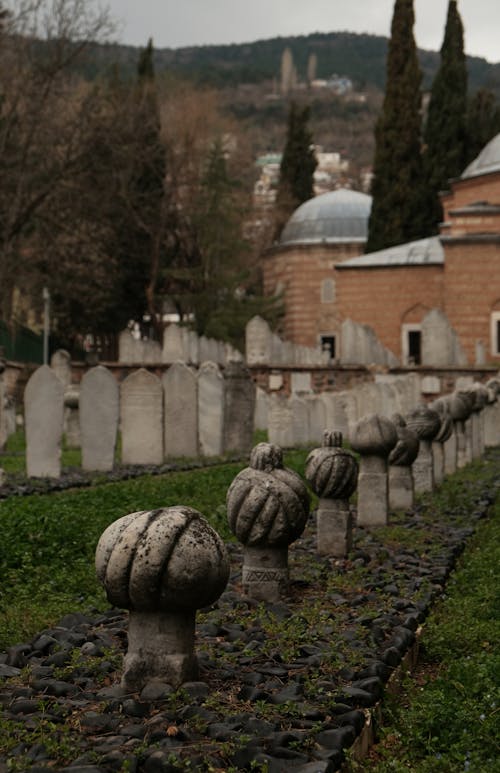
[[280, 421], [44, 412], [440, 343], [239, 408], [99, 414], [373, 437], [162, 566], [426, 423], [267, 509], [332, 473], [180, 416], [174, 345], [211, 405], [401, 458], [141, 410], [60, 362]]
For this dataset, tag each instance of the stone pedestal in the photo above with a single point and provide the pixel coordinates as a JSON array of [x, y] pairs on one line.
[[450, 453], [265, 572], [423, 468], [469, 440], [462, 459], [334, 528], [160, 646], [373, 491], [438, 459], [492, 425], [401, 488]]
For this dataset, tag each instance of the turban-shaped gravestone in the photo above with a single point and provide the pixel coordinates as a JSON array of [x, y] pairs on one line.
[[425, 422], [442, 408], [460, 404], [267, 503], [331, 470], [374, 435], [162, 565], [405, 451], [168, 559]]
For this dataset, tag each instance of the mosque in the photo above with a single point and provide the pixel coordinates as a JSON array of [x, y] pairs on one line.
[[432, 302]]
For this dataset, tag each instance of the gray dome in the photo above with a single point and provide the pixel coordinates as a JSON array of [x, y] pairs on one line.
[[334, 217], [487, 161]]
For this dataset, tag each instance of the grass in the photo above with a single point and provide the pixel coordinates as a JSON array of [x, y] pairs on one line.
[[48, 541], [448, 716]]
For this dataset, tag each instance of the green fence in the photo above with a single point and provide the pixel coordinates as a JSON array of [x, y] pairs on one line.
[[21, 344]]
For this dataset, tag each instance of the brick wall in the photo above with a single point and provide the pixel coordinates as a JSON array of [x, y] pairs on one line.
[[299, 272], [385, 298]]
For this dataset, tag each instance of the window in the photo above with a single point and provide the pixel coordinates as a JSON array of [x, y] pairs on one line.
[[328, 291], [495, 333], [328, 345], [411, 344]]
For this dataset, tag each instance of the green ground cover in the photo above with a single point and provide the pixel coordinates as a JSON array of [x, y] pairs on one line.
[[48, 541], [448, 717]]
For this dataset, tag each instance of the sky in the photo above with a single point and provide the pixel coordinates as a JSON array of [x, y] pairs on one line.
[[177, 23]]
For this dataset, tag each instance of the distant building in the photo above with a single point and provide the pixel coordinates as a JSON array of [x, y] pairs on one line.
[[434, 302]]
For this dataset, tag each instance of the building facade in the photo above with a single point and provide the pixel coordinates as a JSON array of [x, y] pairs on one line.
[[435, 301]]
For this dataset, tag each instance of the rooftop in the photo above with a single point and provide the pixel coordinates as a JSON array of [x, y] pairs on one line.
[[333, 217], [423, 252]]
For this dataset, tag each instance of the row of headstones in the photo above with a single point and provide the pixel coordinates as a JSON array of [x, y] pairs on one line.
[[299, 420], [263, 347], [186, 413], [179, 344], [165, 564]]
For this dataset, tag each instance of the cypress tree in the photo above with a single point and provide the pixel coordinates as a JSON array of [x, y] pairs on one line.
[[483, 123], [398, 183], [445, 130], [298, 163]]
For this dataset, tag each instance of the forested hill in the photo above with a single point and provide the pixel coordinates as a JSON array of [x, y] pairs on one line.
[[360, 57]]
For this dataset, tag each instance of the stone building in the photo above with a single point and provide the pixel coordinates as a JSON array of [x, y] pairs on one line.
[[433, 302], [322, 232]]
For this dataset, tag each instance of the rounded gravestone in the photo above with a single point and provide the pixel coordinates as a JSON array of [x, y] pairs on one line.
[[332, 473], [267, 509], [162, 565]]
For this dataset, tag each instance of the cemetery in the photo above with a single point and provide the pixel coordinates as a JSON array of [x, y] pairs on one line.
[[192, 599]]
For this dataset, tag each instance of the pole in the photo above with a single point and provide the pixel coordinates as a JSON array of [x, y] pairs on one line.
[[46, 325]]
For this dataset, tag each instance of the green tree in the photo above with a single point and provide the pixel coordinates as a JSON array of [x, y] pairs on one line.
[[483, 122], [445, 129], [296, 183], [398, 184]]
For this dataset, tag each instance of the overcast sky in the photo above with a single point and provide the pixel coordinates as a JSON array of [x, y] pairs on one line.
[[176, 23]]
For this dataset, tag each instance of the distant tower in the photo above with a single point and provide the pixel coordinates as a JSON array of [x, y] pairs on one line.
[[312, 66], [288, 76]]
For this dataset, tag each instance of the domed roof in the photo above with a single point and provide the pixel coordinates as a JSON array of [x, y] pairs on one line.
[[333, 217], [487, 161]]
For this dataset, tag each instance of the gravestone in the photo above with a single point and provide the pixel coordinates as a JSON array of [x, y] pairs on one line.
[[60, 362], [211, 404], [332, 473], [300, 421], [267, 509], [401, 458], [492, 414], [99, 414], [373, 437], [239, 409], [180, 415], [440, 343], [261, 411], [300, 382], [258, 342], [141, 418], [162, 565], [426, 424], [280, 421], [44, 414], [173, 344], [316, 411]]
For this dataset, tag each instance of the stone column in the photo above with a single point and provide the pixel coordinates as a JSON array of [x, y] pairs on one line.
[[438, 444], [267, 509], [332, 473], [373, 437], [162, 565], [465, 450], [426, 424], [401, 458], [481, 395], [460, 409], [492, 414]]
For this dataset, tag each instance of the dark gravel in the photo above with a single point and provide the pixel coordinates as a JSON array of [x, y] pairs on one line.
[[285, 685]]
